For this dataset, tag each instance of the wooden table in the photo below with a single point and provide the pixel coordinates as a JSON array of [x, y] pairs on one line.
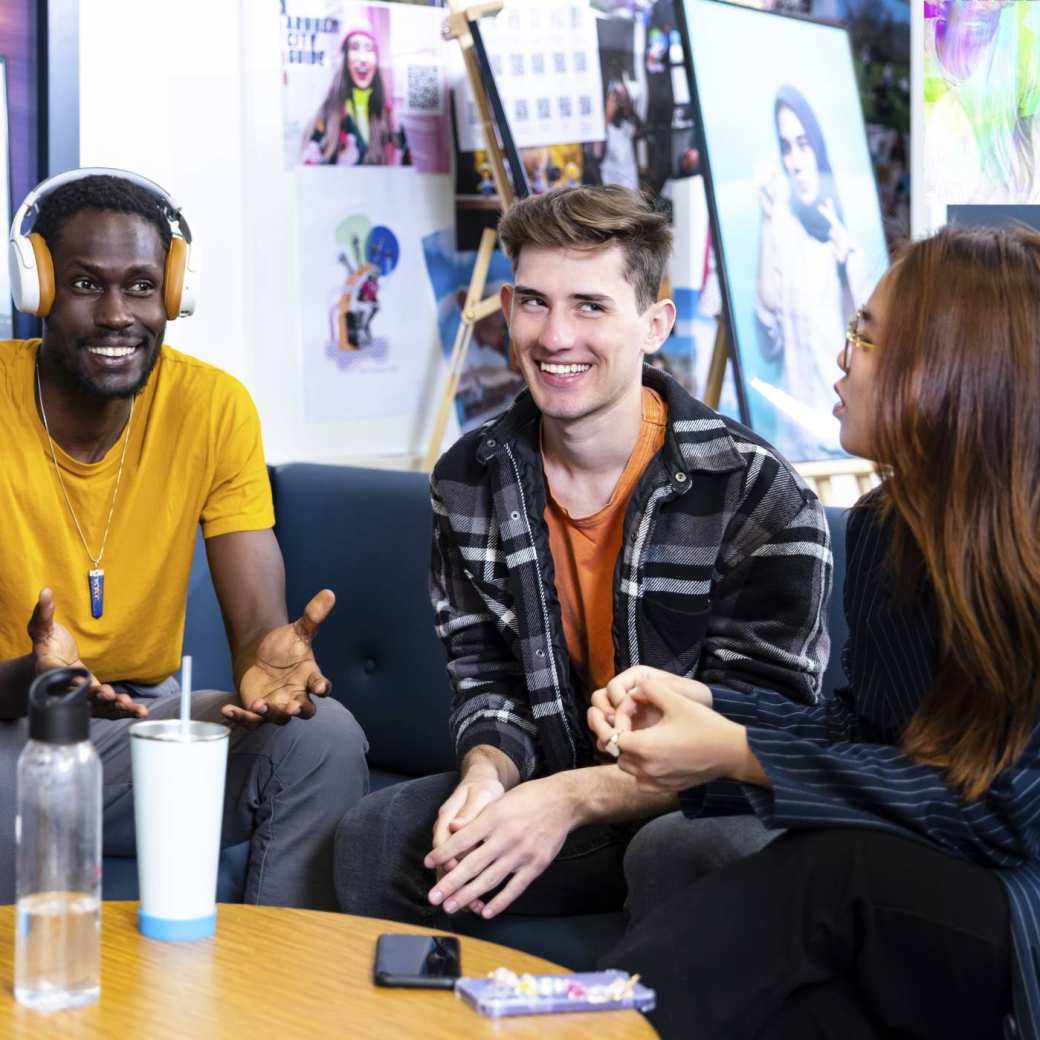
[[272, 972]]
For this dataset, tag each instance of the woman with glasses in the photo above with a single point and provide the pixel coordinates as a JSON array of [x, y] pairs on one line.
[[903, 898]]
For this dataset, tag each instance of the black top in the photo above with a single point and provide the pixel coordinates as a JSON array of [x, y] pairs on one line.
[[890, 658], [59, 713]]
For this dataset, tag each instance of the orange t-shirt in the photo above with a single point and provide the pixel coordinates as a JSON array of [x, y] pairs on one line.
[[585, 551]]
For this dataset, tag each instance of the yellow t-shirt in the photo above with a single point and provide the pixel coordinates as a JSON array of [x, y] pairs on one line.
[[194, 454]]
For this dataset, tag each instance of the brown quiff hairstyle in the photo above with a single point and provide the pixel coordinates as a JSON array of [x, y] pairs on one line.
[[958, 428], [592, 218]]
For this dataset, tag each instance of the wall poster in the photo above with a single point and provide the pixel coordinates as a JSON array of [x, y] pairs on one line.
[[365, 85], [367, 136], [368, 322], [545, 59]]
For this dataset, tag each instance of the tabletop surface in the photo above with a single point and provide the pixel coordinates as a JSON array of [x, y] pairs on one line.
[[276, 972]]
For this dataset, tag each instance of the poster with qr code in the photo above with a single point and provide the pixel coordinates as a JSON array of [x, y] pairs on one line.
[[365, 85], [544, 55]]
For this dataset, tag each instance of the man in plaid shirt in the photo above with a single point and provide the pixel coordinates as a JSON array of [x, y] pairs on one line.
[[607, 521]]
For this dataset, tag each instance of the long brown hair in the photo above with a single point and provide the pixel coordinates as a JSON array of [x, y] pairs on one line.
[[958, 428]]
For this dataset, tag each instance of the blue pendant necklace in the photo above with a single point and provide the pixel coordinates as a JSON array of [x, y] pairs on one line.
[[95, 576]]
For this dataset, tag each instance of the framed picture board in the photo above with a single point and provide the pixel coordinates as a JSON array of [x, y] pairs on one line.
[[794, 208]]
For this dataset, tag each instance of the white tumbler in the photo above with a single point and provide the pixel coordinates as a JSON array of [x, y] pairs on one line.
[[178, 771]]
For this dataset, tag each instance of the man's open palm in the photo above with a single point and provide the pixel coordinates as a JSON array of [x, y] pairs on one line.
[[54, 647], [278, 686]]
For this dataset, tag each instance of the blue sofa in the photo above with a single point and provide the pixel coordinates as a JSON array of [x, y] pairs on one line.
[[366, 535]]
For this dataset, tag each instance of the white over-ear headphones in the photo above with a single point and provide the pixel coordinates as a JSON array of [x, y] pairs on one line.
[[32, 269]]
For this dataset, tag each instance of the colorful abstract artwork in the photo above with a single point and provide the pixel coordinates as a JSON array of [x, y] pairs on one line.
[[981, 105]]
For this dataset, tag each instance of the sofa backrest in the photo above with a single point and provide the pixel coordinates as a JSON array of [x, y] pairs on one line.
[[366, 535], [204, 636]]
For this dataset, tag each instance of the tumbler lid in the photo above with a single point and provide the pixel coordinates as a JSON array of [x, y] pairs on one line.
[[59, 711]]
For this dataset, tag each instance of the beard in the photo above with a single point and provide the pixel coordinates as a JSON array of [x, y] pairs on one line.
[[76, 376]]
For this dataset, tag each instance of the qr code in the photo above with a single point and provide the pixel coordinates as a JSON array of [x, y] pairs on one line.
[[424, 90], [516, 64], [580, 62], [496, 64], [544, 108], [538, 64], [520, 107], [585, 105], [565, 107], [559, 62]]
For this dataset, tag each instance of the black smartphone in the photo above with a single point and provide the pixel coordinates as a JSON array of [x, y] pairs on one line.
[[426, 961]]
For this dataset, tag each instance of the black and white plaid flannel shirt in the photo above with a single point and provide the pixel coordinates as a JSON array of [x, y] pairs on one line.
[[724, 575]]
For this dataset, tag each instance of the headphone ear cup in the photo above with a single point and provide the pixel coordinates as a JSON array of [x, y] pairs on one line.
[[44, 274], [173, 277]]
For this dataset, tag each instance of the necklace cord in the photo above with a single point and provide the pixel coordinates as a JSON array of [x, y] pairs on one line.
[[61, 483]]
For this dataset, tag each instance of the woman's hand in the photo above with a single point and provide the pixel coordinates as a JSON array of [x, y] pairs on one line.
[[612, 696], [669, 742], [841, 242], [311, 154], [768, 187]]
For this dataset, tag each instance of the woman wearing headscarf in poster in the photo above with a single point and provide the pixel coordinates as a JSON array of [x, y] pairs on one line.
[[982, 102], [354, 126], [812, 276]]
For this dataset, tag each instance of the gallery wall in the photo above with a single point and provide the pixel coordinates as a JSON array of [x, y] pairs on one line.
[[209, 128]]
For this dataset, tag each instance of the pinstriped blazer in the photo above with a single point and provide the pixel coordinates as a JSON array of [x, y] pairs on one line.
[[724, 574], [839, 764]]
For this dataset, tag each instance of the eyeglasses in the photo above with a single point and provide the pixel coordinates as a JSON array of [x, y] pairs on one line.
[[854, 341]]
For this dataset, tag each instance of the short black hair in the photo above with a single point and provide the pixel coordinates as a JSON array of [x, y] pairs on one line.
[[100, 192]]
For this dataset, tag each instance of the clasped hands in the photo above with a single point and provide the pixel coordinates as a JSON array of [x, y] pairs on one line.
[[275, 686], [664, 732], [487, 836]]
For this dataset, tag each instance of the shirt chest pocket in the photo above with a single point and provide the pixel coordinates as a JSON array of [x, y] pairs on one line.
[[671, 637]]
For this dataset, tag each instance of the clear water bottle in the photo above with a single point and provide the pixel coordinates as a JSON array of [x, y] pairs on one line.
[[58, 832]]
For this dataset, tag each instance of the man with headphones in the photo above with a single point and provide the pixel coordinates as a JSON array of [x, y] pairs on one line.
[[116, 448]]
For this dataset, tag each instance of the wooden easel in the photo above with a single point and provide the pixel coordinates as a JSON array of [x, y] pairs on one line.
[[717, 369], [458, 27]]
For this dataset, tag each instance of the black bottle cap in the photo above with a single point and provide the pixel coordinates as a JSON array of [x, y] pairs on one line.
[[59, 709]]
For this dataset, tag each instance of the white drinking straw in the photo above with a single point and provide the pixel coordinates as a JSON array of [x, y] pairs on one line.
[[185, 695]]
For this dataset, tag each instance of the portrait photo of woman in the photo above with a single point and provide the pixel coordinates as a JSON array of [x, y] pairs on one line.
[[354, 125], [812, 275]]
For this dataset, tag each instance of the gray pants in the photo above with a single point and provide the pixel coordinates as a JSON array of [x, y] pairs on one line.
[[381, 842], [286, 789]]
